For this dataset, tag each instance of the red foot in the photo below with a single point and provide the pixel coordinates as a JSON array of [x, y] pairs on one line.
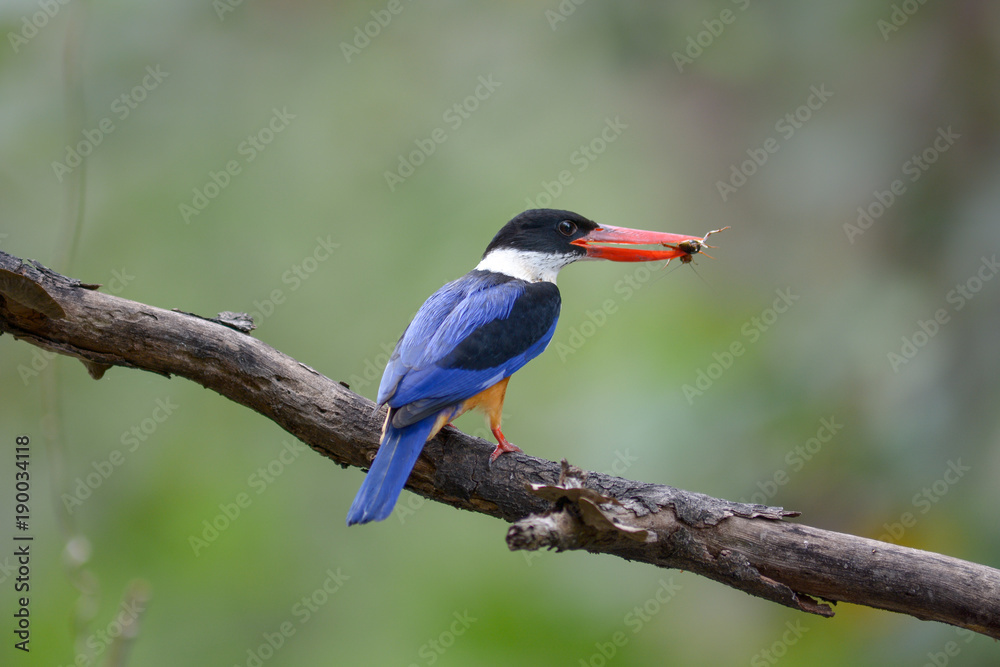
[[503, 446]]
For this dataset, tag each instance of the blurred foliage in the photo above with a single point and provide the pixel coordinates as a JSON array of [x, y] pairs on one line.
[[295, 114]]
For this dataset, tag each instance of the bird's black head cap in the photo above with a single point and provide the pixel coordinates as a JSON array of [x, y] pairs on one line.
[[545, 230]]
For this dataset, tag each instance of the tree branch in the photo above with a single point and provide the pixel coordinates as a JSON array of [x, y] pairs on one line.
[[748, 547]]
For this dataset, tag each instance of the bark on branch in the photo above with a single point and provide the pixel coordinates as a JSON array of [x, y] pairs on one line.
[[748, 547]]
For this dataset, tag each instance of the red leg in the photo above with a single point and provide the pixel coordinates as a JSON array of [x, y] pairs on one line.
[[503, 446], [490, 401]]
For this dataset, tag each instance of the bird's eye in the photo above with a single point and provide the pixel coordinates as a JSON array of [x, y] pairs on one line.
[[566, 228]]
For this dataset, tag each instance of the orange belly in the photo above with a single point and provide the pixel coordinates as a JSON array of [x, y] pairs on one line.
[[488, 400]]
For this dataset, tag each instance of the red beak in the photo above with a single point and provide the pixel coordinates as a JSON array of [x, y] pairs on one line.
[[623, 236]]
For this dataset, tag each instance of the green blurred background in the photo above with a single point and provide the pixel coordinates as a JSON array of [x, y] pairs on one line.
[[629, 113]]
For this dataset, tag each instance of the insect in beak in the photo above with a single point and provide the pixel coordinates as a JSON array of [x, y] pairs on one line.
[[692, 247]]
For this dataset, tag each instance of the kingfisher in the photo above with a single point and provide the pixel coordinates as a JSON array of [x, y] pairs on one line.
[[470, 336]]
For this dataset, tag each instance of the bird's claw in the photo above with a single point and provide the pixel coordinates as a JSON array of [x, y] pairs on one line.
[[503, 448]]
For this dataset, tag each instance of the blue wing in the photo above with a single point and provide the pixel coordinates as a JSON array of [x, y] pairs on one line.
[[467, 336]]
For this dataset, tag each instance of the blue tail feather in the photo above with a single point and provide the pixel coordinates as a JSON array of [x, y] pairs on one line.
[[390, 470]]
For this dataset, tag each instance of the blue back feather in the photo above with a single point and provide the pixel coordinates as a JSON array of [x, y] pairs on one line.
[[445, 320]]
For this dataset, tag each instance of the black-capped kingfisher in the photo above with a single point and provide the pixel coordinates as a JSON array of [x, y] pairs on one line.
[[471, 335]]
